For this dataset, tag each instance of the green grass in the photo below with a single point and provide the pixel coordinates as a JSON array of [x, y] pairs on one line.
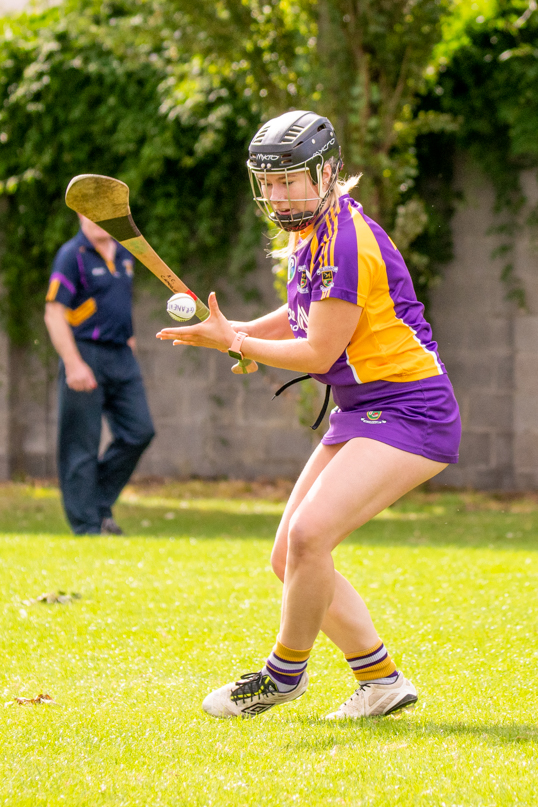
[[187, 602]]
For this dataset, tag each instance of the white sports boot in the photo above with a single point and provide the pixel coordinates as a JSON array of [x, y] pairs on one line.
[[253, 694], [377, 699]]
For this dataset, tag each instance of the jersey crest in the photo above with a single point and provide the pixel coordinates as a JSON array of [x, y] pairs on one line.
[[327, 276], [302, 284]]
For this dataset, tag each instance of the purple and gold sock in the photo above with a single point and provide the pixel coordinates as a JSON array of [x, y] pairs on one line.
[[373, 666], [286, 666]]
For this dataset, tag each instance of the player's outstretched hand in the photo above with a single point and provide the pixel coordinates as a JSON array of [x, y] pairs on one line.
[[215, 332]]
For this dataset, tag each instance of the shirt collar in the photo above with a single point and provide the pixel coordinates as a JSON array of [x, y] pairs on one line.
[[84, 241], [316, 223]]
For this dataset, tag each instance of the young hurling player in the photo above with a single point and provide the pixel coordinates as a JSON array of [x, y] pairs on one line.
[[352, 321]]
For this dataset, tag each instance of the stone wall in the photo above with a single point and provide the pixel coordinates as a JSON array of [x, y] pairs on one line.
[[4, 407], [489, 345], [211, 423], [525, 446]]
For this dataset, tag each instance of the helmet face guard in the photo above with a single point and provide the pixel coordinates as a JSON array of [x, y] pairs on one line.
[[294, 143], [290, 222]]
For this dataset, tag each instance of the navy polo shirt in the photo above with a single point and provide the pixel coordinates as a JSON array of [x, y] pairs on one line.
[[96, 293]]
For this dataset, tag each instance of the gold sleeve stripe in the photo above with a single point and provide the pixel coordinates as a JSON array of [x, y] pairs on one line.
[[327, 255], [79, 315], [323, 256], [313, 250], [333, 242], [53, 290]]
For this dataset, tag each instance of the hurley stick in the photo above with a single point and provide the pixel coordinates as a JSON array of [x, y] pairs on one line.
[[105, 201]]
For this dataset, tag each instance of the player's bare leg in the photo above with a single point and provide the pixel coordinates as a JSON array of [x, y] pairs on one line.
[[360, 480], [341, 488], [331, 499], [347, 622]]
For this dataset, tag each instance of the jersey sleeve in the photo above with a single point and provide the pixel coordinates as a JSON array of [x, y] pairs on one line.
[[65, 277], [346, 261]]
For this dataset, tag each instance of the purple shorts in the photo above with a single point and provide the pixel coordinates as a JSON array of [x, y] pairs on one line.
[[421, 417]]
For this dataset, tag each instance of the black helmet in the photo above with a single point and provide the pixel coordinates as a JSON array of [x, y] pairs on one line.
[[293, 142]]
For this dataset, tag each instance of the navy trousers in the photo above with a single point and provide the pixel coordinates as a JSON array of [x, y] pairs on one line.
[[91, 484]]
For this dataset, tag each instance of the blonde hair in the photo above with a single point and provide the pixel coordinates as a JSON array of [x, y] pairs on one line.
[[341, 187]]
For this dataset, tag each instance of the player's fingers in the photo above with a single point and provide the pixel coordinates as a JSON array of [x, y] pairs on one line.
[[172, 333], [190, 341], [213, 305], [163, 335]]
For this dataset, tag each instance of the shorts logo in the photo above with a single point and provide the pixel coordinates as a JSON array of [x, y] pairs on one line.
[[292, 266], [373, 417]]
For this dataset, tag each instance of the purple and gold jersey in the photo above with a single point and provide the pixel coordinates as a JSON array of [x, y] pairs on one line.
[[97, 294], [349, 256]]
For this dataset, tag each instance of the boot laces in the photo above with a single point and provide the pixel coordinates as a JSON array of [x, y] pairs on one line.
[[251, 686], [356, 694]]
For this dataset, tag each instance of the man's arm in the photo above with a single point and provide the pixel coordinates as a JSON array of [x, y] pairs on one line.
[[79, 375]]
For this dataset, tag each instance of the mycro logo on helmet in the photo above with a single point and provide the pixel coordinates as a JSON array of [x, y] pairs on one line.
[[267, 156], [320, 151]]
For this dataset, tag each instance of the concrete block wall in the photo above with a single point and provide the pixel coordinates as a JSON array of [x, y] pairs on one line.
[[4, 406], [489, 345], [211, 423], [526, 346]]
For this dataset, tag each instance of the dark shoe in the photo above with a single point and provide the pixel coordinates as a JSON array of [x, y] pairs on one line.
[[109, 527]]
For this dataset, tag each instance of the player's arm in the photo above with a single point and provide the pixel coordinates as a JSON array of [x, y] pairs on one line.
[[332, 323], [79, 375], [271, 326]]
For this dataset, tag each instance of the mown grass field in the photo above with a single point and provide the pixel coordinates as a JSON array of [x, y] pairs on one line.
[[187, 602]]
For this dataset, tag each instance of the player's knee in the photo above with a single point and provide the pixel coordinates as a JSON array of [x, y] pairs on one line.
[[278, 563], [304, 540]]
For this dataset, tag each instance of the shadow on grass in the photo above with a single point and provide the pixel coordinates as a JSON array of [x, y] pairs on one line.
[[400, 728], [476, 529], [465, 530]]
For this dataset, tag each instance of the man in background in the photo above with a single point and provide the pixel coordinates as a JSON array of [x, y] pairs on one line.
[[88, 317]]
